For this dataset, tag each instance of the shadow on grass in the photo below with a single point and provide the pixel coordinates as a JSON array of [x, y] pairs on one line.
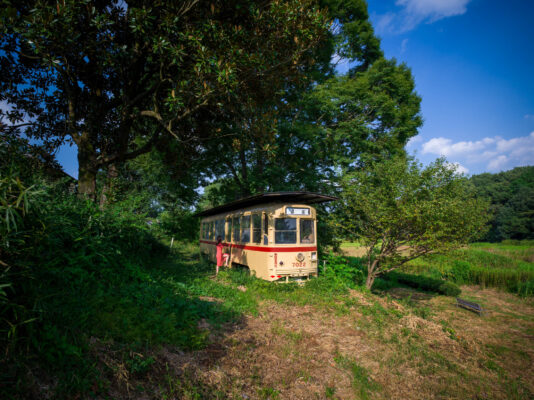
[[106, 336]]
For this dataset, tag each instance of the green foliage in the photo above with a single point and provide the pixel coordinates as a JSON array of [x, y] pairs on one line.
[[325, 122], [78, 272], [511, 195], [180, 224], [460, 271], [401, 211], [508, 266], [348, 271], [361, 381], [118, 81], [424, 283]]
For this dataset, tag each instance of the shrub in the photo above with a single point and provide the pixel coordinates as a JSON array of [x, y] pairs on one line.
[[424, 283], [449, 289], [76, 271], [343, 269], [326, 285]]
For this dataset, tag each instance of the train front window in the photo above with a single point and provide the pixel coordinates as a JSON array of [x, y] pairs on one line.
[[306, 231], [285, 230], [245, 229]]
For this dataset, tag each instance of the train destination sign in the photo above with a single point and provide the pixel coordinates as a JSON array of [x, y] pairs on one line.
[[297, 211]]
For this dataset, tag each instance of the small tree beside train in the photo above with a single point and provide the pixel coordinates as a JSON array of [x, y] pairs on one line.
[[401, 211]]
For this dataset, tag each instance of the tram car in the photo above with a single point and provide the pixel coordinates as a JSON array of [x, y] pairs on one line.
[[273, 234]]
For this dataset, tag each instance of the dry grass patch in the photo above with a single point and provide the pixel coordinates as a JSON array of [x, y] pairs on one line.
[[380, 348]]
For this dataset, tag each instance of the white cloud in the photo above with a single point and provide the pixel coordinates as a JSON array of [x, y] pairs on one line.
[[459, 168], [434, 9], [415, 12], [529, 116], [498, 163], [492, 153], [413, 141], [445, 147]]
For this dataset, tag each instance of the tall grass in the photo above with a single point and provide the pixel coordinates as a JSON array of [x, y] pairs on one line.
[[71, 272], [503, 265]]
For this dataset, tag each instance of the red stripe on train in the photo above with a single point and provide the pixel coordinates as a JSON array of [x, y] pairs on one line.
[[264, 249]]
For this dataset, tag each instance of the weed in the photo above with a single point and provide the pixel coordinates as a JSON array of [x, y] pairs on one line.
[[361, 381], [268, 393], [329, 392]]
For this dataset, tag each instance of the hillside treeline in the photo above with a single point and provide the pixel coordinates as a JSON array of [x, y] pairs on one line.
[[511, 194]]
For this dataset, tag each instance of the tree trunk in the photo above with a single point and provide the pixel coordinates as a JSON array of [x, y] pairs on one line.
[[108, 184], [370, 280], [371, 272], [87, 168]]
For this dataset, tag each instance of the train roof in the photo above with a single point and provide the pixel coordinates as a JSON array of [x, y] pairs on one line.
[[271, 197]]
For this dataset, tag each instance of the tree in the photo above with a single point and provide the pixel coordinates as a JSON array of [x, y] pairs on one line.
[[114, 77], [511, 195], [400, 211], [329, 123]]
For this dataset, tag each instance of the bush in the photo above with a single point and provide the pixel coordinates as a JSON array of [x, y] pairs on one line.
[[424, 283], [71, 272], [342, 269], [326, 285], [449, 289]]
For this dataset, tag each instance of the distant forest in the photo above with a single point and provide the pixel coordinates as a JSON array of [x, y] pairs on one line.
[[511, 194]]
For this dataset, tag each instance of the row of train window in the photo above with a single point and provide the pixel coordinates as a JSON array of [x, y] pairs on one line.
[[248, 228]]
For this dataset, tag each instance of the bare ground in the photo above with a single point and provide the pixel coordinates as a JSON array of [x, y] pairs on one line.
[[401, 346]]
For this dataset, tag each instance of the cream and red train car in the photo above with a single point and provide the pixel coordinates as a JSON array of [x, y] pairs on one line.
[[273, 234]]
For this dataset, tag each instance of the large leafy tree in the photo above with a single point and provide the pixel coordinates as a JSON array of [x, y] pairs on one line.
[[329, 122], [114, 77], [400, 211]]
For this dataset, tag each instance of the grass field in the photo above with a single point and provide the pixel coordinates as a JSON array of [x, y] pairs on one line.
[[508, 265], [258, 340], [167, 328]]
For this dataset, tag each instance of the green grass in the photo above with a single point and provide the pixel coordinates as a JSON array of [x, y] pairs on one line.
[[501, 265], [360, 379], [135, 306]]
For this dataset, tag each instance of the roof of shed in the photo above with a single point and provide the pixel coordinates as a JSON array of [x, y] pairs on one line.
[[272, 197]]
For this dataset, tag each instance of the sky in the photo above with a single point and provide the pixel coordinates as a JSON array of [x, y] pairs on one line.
[[473, 64]]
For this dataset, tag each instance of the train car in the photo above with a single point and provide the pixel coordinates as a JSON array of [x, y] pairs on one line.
[[273, 234]]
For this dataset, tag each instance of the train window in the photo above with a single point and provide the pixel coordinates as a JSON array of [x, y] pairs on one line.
[[211, 230], [265, 229], [220, 228], [256, 228], [245, 229], [236, 229], [229, 229], [306, 231], [285, 230]]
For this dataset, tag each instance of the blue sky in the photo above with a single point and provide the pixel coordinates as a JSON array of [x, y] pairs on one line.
[[473, 64]]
